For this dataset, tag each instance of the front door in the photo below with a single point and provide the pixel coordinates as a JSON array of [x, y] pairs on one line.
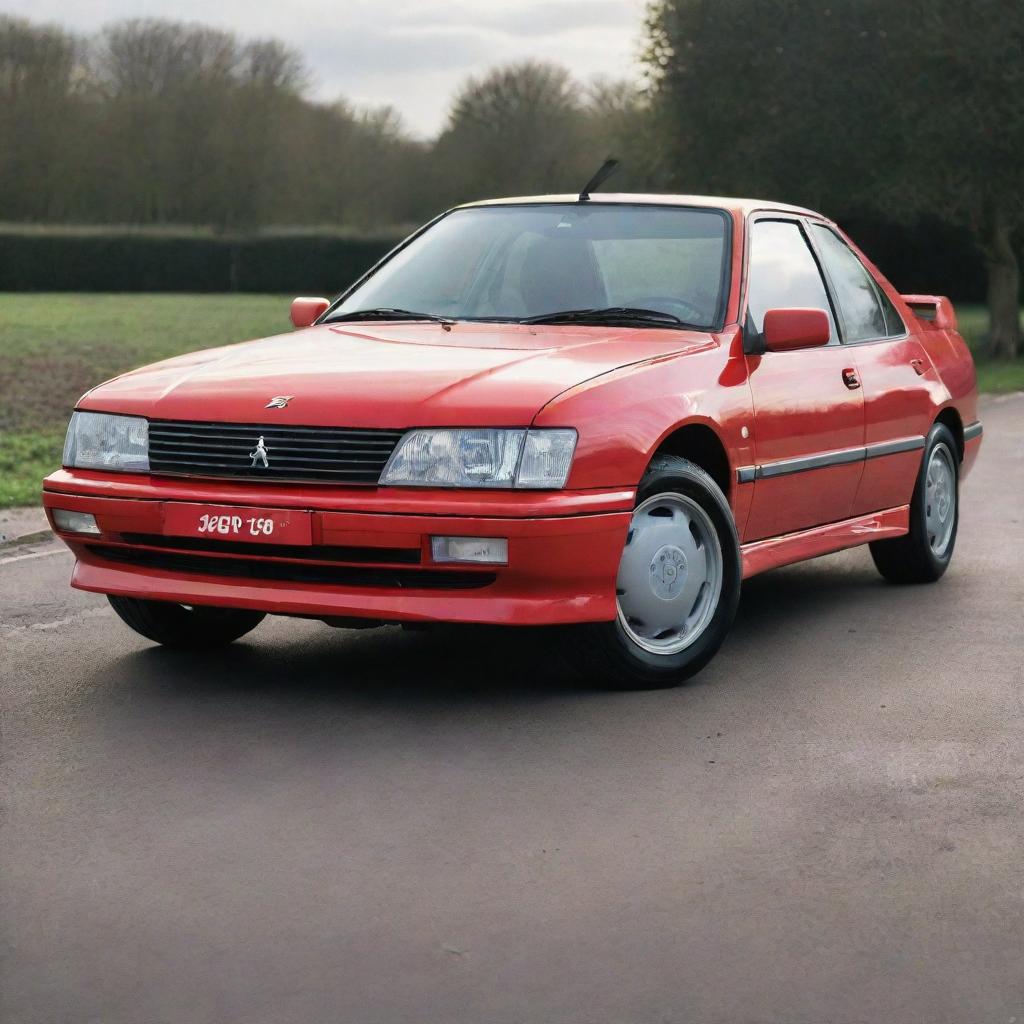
[[808, 404]]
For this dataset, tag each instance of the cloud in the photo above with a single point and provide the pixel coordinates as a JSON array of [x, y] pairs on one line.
[[529, 18], [410, 54]]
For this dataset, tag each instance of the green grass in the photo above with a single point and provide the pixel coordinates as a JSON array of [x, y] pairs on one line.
[[995, 376], [55, 347]]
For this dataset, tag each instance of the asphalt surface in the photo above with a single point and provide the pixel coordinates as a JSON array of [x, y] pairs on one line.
[[827, 825]]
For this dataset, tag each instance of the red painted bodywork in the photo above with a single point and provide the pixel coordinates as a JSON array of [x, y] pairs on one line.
[[936, 309], [788, 329], [626, 391], [306, 311]]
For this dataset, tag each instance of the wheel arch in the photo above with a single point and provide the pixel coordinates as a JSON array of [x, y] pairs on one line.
[[950, 417], [701, 444]]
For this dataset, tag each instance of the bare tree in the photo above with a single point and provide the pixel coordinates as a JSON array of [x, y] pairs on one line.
[[40, 115], [518, 130]]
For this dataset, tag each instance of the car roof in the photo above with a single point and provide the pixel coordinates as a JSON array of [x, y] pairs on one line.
[[741, 206]]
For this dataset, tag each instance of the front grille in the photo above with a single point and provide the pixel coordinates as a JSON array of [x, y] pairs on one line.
[[295, 572], [322, 454]]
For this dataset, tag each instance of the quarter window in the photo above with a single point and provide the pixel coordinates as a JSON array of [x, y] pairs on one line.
[[857, 296], [894, 325], [783, 273]]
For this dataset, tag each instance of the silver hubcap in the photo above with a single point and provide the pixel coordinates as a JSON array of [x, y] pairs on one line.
[[670, 576], [940, 499]]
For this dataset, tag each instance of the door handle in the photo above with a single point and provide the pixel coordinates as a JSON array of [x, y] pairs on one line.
[[918, 365], [850, 378]]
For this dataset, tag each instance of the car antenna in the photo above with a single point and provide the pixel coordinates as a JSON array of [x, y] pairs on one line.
[[606, 170]]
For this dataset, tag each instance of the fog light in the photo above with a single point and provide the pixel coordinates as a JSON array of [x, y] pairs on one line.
[[489, 550], [75, 522]]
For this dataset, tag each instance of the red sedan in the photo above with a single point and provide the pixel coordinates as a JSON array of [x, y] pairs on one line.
[[601, 412]]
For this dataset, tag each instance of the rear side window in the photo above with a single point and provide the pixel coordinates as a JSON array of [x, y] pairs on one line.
[[894, 325], [783, 273], [861, 303]]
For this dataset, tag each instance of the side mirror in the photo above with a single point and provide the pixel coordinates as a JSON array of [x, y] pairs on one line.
[[305, 310], [788, 329]]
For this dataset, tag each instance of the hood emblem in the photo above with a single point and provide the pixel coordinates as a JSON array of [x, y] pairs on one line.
[[281, 402], [259, 455]]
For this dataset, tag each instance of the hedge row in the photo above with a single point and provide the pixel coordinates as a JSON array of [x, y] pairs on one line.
[[137, 262], [928, 258]]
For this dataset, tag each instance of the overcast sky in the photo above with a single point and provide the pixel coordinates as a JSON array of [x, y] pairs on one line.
[[408, 53]]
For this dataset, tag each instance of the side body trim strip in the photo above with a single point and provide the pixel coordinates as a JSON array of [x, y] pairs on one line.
[[843, 457], [786, 466], [906, 444], [972, 430]]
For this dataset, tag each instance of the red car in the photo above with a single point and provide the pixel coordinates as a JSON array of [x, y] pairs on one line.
[[560, 410]]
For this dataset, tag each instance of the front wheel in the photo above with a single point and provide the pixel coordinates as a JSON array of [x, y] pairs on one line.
[[678, 583], [194, 627], [924, 554]]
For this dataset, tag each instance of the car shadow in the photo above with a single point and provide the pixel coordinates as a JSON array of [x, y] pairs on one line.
[[446, 664], [795, 596], [478, 664]]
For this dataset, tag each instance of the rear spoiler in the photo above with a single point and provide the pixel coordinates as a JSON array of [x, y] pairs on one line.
[[936, 310]]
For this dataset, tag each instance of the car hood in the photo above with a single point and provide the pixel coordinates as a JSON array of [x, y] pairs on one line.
[[387, 375]]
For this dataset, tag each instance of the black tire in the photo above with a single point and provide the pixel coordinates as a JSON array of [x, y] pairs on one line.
[[197, 627], [604, 652], [913, 558]]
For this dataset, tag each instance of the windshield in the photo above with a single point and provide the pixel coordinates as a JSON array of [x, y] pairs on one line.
[[519, 262]]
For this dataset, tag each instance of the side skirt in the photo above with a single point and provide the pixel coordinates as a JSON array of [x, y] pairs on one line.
[[767, 554]]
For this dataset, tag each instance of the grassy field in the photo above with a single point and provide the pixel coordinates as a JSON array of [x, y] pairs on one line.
[[54, 347], [994, 376]]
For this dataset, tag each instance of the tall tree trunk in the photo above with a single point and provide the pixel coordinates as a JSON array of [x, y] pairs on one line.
[[1003, 289]]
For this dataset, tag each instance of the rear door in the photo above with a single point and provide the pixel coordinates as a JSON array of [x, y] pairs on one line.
[[808, 405], [896, 374]]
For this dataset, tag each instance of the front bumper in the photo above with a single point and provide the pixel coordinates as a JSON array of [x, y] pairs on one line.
[[370, 557]]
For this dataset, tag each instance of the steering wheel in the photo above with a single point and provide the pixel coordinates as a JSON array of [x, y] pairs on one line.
[[687, 312]]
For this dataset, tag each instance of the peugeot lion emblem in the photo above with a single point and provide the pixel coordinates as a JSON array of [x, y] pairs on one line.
[[259, 455], [280, 402]]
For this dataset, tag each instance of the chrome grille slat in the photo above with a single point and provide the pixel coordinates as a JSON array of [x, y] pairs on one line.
[[281, 446], [342, 455], [178, 455], [241, 438], [239, 445], [294, 473]]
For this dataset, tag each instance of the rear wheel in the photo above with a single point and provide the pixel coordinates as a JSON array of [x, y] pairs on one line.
[[186, 626], [924, 554], [678, 583]]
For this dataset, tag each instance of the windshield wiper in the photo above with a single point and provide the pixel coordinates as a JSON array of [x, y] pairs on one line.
[[610, 314], [387, 313]]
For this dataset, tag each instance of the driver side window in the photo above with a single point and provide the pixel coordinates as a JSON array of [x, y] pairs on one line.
[[783, 274]]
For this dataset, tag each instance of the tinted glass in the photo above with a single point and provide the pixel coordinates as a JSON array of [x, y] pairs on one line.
[[856, 294], [894, 325], [783, 273], [510, 262]]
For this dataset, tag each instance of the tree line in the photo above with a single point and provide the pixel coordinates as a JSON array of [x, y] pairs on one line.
[[155, 122], [869, 108]]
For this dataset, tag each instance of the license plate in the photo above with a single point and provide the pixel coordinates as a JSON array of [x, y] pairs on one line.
[[227, 522]]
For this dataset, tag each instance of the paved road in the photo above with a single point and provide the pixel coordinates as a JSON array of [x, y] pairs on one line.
[[827, 825]]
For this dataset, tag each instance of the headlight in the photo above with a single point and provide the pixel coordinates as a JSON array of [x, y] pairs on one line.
[[481, 457], [98, 440]]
